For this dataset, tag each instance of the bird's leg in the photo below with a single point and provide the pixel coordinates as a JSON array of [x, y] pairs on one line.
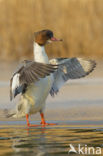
[[43, 120], [28, 124]]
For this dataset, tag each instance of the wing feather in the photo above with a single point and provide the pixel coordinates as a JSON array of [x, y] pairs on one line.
[[70, 68], [30, 72]]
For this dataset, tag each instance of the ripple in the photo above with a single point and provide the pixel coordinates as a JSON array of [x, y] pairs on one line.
[[49, 141]]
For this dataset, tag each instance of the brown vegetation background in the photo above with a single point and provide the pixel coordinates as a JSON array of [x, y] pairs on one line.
[[78, 22]]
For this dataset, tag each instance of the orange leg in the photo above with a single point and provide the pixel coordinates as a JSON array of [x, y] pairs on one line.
[[43, 121], [28, 124]]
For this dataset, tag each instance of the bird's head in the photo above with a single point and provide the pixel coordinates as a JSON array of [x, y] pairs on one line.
[[44, 36]]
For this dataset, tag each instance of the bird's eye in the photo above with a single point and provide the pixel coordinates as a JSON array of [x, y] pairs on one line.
[[49, 34]]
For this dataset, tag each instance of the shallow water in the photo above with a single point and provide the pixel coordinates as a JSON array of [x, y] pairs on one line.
[[17, 140]]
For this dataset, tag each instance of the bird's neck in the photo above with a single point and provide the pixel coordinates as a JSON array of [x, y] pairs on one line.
[[40, 54]]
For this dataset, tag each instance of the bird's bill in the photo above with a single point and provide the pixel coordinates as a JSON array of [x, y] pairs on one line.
[[55, 39]]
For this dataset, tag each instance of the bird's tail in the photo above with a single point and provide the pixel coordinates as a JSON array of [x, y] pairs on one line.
[[9, 113]]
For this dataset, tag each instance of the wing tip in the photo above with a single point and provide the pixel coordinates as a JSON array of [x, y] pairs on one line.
[[88, 65], [92, 66]]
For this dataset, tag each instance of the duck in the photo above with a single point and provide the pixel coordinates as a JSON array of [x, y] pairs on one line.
[[36, 79]]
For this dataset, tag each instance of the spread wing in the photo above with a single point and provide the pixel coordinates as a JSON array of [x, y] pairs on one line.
[[72, 68], [29, 72]]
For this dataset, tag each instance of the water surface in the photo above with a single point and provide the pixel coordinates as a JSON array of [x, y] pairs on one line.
[[17, 140]]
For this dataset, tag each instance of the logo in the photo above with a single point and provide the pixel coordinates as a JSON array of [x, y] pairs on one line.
[[84, 149]]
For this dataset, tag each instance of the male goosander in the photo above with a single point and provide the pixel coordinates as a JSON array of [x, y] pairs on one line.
[[36, 79]]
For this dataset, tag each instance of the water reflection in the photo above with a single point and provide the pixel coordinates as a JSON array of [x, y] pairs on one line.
[[46, 141], [31, 141], [39, 141]]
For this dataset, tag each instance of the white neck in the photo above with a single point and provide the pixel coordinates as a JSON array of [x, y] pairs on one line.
[[40, 54]]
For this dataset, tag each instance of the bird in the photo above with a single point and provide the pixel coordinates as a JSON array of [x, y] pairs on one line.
[[36, 79]]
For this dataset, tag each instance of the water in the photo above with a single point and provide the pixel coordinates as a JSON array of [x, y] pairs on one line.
[[18, 140]]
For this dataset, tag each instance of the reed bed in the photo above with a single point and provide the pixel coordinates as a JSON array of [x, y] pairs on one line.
[[78, 22]]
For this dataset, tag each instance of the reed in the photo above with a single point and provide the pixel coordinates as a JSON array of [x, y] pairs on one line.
[[78, 22]]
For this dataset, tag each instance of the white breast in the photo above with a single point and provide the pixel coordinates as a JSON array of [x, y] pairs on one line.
[[38, 92]]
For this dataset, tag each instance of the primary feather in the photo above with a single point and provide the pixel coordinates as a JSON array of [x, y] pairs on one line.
[[69, 68]]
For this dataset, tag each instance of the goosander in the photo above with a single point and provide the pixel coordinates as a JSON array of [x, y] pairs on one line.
[[36, 79]]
